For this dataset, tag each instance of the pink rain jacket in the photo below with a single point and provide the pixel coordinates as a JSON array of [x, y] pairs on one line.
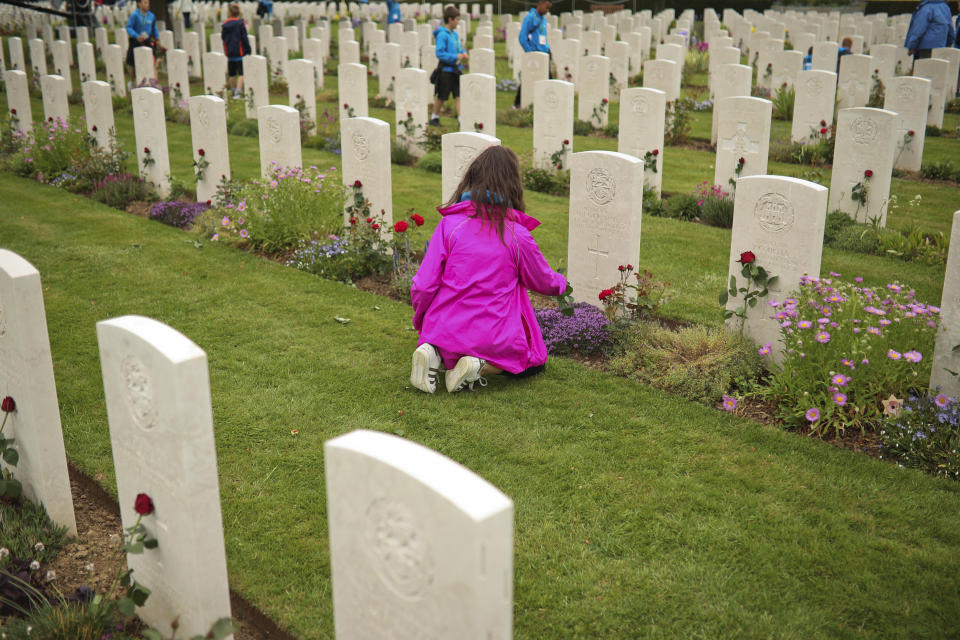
[[470, 294]]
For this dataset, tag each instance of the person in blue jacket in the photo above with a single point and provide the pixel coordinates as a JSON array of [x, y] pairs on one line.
[[236, 44], [142, 31], [449, 56], [930, 27], [265, 9], [393, 12], [533, 34]]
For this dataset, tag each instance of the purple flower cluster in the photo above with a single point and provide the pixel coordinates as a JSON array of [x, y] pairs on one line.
[[585, 331], [177, 214]]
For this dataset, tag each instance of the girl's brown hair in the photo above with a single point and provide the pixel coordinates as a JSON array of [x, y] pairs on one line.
[[493, 180]]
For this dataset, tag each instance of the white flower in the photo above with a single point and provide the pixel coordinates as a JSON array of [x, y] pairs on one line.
[[34, 566], [4, 552], [39, 547], [89, 567], [51, 576]]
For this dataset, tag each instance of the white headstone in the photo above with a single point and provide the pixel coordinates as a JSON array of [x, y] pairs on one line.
[[743, 132], [279, 138], [413, 99], [26, 375], [178, 76], [85, 62], [536, 67], [161, 429], [313, 51], [566, 56], [18, 99], [946, 357], [143, 66], [410, 50], [619, 54], [594, 86], [16, 54], [865, 142], [552, 123], [214, 73], [388, 66], [150, 128], [951, 55], [478, 111], [786, 66], [301, 74], [908, 97], [641, 131], [781, 221], [854, 83], [352, 80], [98, 111], [62, 61], [731, 80], [458, 151], [453, 577], [663, 75], [55, 105], [815, 98], [606, 195], [115, 74], [482, 61], [38, 57], [365, 144], [937, 71], [208, 132], [255, 84]]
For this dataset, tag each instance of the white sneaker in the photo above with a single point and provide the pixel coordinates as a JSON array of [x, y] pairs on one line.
[[466, 373], [426, 368]]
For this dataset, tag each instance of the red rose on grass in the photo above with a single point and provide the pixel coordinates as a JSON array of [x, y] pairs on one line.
[[357, 184], [747, 257], [374, 226], [143, 504], [201, 152], [418, 219], [868, 173], [8, 405], [400, 226], [606, 293]]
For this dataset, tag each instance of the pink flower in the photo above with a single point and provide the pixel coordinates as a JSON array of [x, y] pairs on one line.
[[813, 414], [941, 400], [839, 399], [823, 337], [913, 356], [729, 403], [840, 380], [894, 355]]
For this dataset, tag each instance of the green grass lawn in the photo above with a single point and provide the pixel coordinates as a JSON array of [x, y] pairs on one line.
[[637, 514]]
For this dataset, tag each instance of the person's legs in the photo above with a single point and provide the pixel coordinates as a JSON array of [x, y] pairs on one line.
[[426, 368], [186, 19], [516, 101]]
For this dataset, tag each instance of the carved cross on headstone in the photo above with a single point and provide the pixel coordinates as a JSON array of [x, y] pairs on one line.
[[597, 253], [740, 142]]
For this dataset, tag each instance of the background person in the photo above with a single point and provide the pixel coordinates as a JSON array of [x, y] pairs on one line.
[[186, 8], [533, 35], [931, 26], [236, 44], [393, 12], [449, 56], [142, 31], [470, 302]]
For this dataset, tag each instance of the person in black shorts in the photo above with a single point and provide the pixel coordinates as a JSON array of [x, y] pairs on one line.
[[236, 44], [449, 56]]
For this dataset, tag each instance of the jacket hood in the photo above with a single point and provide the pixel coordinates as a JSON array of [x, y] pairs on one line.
[[926, 2], [528, 222]]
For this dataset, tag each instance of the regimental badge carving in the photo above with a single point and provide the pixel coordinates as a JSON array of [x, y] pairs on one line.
[[139, 392], [533, 63], [276, 133], [814, 86], [774, 213], [864, 130], [551, 98], [601, 186], [905, 92], [361, 147], [464, 155], [640, 105], [658, 73], [397, 548], [592, 67], [202, 117], [476, 91]]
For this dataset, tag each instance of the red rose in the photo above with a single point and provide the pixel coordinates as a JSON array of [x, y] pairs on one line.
[[401, 226], [357, 184], [630, 267], [747, 257], [346, 106], [823, 123], [605, 101], [146, 149], [868, 173], [655, 152], [298, 96], [13, 111], [911, 133], [208, 203], [369, 220], [8, 405], [479, 125], [823, 131], [606, 293], [409, 115], [94, 128], [374, 226], [566, 142], [201, 152], [741, 161], [559, 166], [50, 119], [769, 65], [143, 504], [418, 219]]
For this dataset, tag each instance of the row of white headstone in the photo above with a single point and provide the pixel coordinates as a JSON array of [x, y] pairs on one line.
[[416, 540]]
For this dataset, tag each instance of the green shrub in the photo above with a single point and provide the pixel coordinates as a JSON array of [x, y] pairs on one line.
[[612, 130], [556, 183], [582, 128], [511, 117], [432, 161], [836, 221], [698, 363], [717, 212], [652, 205], [783, 101], [939, 171], [401, 154], [856, 237], [23, 524], [683, 206], [244, 127], [934, 131], [117, 190], [65, 621], [923, 432], [678, 121]]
